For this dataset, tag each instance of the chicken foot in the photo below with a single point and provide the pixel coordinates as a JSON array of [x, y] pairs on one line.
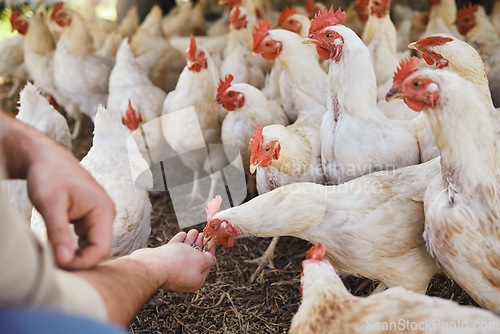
[[265, 260]]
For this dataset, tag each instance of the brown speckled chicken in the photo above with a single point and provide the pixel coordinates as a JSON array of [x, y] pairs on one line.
[[328, 307], [462, 205]]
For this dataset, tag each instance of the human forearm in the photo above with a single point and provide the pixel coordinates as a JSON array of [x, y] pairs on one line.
[[125, 284]]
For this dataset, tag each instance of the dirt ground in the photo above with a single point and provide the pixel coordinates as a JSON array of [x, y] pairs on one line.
[[228, 303]]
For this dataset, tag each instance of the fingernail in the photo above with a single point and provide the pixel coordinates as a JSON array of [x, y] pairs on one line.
[[63, 254]]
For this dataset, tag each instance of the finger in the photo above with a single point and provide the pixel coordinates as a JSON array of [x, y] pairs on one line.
[[199, 241], [191, 237], [178, 238], [59, 233], [97, 237]]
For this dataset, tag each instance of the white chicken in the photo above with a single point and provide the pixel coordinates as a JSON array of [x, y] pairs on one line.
[[284, 155], [356, 137], [74, 58], [296, 79], [246, 107], [129, 81], [371, 226], [12, 65], [36, 111], [238, 59], [196, 87], [462, 205], [328, 307], [39, 50], [112, 164]]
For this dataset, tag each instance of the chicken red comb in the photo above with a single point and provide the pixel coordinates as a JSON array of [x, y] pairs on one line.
[[325, 19], [57, 7], [213, 207], [316, 252], [192, 48], [234, 15], [406, 67], [433, 41], [223, 85], [131, 119], [14, 17], [256, 139], [286, 13], [466, 10], [260, 32]]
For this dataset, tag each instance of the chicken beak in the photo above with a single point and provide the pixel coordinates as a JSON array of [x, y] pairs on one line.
[[413, 46], [190, 63], [254, 54], [393, 94], [252, 168], [215, 103], [208, 242], [308, 40]]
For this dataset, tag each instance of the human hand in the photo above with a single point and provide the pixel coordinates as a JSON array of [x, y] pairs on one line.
[[179, 266], [64, 192]]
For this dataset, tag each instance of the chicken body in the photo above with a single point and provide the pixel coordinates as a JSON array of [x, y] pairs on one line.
[[461, 205], [328, 307], [12, 58], [196, 87], [356, 137], [129, 81], [36, 111], [112, 165], [442, 16], [74, 58], [299, 155], [371, 226]]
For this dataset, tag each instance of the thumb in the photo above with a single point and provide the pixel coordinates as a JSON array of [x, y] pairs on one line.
[[59, 233]]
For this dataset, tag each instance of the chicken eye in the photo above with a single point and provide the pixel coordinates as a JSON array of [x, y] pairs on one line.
[[417, 83], [230, 94], [267, 149], [291, 21], [268, 44], [213, 226], [328, 35]]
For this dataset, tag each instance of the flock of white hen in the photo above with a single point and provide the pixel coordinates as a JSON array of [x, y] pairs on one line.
[[388, 163]]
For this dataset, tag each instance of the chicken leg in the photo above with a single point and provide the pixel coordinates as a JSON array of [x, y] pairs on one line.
[[265, 259]]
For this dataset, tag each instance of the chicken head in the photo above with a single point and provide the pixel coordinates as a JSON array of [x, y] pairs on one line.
[[328, 42], [216, 230], [466, 20], [427, 47], [229, 99], [263, 44], [417, 91], [18, 23], [380, 8], [60, 16], [238, 18], [262, 154], [288, 22], [195, 56]]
